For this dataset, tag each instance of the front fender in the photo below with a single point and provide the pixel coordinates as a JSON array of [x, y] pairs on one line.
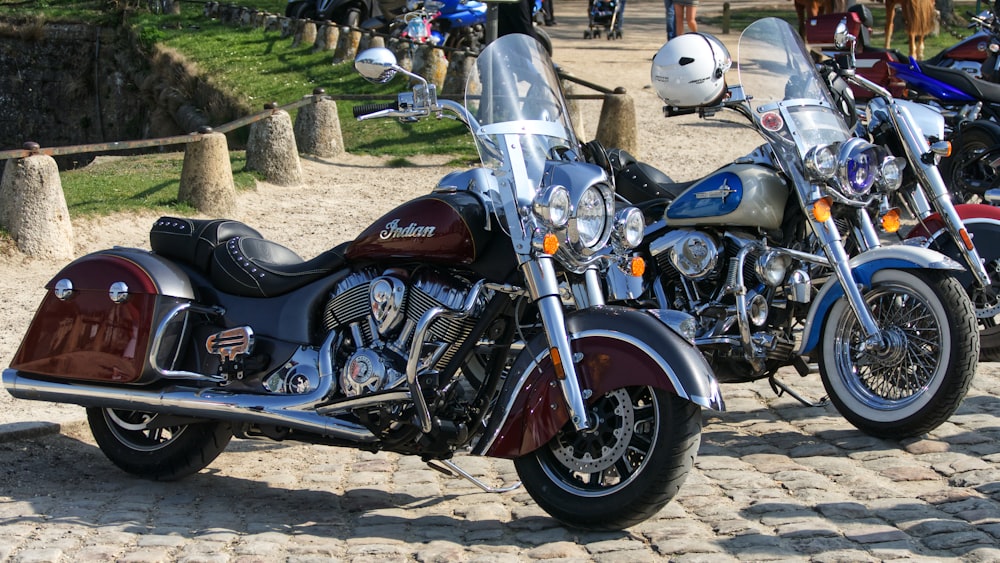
[[863, 266], [983, 224], [978, 213], [613, 347]]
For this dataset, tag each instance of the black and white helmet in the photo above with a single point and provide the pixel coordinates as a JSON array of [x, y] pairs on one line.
[[689, 70]]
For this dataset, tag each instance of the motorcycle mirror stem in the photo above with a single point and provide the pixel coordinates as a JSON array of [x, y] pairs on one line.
[[841, 39]]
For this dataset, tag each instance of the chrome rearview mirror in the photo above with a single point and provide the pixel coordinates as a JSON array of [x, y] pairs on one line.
[[377, 65], [841, 37]]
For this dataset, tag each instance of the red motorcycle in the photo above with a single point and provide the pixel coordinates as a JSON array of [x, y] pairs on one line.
[[874, 63], [400, 339]]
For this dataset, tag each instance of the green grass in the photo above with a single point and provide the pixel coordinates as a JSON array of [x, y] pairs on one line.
[[150, 181]]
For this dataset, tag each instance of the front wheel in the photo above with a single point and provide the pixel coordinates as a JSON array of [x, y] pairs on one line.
[[146, 445], [625, 468], [918, 377], [966, 174]]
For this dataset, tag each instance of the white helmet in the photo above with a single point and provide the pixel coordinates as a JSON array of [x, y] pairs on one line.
[[689, 70]]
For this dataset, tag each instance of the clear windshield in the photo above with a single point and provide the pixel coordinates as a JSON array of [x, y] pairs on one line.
[[514, 94], [789, 99]]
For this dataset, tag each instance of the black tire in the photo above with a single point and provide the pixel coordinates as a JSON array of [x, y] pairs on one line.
[[918, 383], [659, 451], [968, 179], [353, 18], [133, 442], [302, 11], [986, 303]]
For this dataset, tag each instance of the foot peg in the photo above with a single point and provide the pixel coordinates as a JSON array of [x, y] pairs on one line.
[[452, 470]]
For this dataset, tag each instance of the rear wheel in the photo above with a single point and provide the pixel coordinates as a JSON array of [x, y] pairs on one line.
[[625, 468], [918, 377], [146, 445]]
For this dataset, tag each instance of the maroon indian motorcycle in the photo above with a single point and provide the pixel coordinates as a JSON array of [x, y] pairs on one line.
[[399, 339]]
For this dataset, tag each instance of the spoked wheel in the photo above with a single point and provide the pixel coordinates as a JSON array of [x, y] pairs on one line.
[[917, 377], [625, 468], [139, 444]]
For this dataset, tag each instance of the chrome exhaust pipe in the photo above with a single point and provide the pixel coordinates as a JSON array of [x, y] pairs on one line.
[[290, 411]]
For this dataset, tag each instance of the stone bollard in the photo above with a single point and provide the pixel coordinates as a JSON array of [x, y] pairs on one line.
[[347, 45], [287, 26], [616, 127], [575, 109], [317, 127], [207, 175], [431, 63], [305, 33], [33, 207], [272, 23], [376, 41], [327, 37], [459, 67], [259, 18], [271, 149], [246, 17]]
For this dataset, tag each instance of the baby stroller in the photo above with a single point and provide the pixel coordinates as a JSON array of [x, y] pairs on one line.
[[603, 14]]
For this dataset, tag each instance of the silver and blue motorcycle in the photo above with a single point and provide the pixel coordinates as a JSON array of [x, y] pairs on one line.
[[755, 251]]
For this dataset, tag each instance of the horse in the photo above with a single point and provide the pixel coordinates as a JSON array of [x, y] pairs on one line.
[[805, 9], [919, 17]]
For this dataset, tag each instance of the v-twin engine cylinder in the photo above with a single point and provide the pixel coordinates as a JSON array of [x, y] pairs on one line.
[[378, 315]]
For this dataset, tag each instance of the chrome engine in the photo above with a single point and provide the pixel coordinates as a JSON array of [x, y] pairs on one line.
[[377, 316]]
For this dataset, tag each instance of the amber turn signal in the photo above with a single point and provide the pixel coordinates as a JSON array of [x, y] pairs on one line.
[[821, 209], [550, 244], [890, 221], [637, 266]]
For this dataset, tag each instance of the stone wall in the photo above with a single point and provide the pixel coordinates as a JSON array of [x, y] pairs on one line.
[[67, 84]]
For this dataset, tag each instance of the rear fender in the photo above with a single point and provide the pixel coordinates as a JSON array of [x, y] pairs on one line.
[[614, 347], [863, 267]]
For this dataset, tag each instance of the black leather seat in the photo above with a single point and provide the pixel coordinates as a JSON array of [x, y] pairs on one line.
[[254, 267], [639, 183], [236, 257], [192, 240]]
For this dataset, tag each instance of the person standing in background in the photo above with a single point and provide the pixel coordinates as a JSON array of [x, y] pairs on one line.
[[668, 5], [685, 10], [549, 12]]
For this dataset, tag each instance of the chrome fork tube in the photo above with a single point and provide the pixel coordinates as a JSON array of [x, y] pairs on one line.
[[929, 176], [544, 288], [840, 262]]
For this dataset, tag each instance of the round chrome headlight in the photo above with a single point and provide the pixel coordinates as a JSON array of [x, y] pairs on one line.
[[821, 162], [892, 172], [591, 216], [552, 206], [629, 227], [859, 166]]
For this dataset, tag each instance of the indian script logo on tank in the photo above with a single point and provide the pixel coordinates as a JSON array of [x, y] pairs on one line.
[[393, 230]]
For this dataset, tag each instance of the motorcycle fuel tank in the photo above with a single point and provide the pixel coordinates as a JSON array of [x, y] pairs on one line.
[[444, 228], [737, 195]]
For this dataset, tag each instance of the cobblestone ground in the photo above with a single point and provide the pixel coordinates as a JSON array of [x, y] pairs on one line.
[[774, 481]]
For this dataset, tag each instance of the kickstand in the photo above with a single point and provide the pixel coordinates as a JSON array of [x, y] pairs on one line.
[[780, 389], [453, 470]]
